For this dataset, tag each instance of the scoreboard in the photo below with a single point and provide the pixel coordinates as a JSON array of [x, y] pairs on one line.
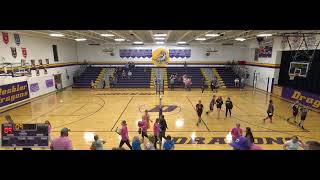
[[24, 135]]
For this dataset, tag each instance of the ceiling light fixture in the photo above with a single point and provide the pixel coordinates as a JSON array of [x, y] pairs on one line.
[[212, 35], [119, 39], [240, 39], [56, 35], [160, 35], [200, 39], [264, 35], [107, 35], [159, 42], [80, 39]]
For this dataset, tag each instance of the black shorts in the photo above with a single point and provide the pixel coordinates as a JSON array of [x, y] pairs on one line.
[[303, 118], [270, 115], [211, 108], [218, 107], [295, 113], [199, 113]]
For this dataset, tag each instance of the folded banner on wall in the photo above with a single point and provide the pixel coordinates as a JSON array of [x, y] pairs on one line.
[[34, 87], [304, 98], [12, 93], [49, 83]]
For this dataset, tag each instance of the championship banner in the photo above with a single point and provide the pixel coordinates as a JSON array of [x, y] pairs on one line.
[[304, 98], [34, 87], [265, 52], [49, 83], [24, 52], [16, 39], [13, 52], [5, 37], [180, 53], [12, 93], [135, 53]]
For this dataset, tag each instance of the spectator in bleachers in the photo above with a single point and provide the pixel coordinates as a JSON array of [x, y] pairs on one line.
[[242, 82], [111, 81], [129, 74], [126, 66], [236, 82], [188, 84], [62, 142], [124, 75]]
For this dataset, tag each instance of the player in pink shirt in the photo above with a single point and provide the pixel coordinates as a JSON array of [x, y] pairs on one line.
[[62, 142], [156, 131], [124, 135], [236, 132]]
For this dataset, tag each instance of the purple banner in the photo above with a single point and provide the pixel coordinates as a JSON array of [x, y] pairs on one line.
[[305, 98], [135, 53], [265, 52], [12, 93], [49, 83], [34, 87], [180, 53]]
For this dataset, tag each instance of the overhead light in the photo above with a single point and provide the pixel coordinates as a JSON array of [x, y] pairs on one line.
[[159, 42], [160, 35], [240, 39], [56, 35], [182, 42], [138, 42], [200, 39], [159, 38], [264, 35], [80, 39], [212, 35], [107, 35], [119, 39]]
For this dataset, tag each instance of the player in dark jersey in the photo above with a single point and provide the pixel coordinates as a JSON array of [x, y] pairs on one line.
[[303, 114], [199, 109], [295, 111], [211, 105], [219, 103], [229, 106], [269, 112], [203, 84]]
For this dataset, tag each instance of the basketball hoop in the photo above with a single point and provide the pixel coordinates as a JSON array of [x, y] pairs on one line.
[[292, 76]]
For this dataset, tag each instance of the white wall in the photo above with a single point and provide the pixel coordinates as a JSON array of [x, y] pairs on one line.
[[198, 53], [40, 48]]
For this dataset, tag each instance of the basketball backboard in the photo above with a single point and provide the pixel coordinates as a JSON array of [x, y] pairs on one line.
[[298, 69]]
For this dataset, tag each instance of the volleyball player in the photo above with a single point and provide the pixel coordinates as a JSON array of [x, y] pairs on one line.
[[199, 108], [203, 84], [269, 112], [229, 106], [219, 103], [211, 105], [303, 114], [295, 110]]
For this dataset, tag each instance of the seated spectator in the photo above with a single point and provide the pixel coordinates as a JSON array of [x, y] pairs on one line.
[[243, 143], [124, 75], [168, 144], [62, 142], [97, 144], [312, 145], [293, 144], [150, 144], [136, 144], [129, 74], [236, 132]]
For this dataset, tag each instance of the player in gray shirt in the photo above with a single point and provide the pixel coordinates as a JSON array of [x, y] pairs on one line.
[[97, 144], [303, 114], [269, 112]]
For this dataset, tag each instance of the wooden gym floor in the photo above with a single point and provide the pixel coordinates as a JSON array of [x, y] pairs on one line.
[[87, 112]]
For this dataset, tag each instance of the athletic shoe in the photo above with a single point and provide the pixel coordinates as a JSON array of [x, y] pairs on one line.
[[288, 119], [197, 124], [207, 112], [302, 127]]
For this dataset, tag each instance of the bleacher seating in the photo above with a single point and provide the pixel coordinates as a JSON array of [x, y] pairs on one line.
[[228, 76], [193, 72], [84, 80], [140, 79]]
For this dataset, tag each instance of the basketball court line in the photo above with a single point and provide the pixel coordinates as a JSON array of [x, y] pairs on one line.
[[45, 113], [78, 109], [122, 113], [201, 118]]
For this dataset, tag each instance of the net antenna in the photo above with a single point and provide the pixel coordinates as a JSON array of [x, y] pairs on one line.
[[301, 44]]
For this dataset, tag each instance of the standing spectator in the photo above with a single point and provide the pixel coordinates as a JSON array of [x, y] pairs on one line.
[[136, 144], [156, 131], [219, 103], [150, 144], [97, 144], [129, 74], [236, 132], [124, 135], [104, 84], [229, 106], [203, 84], [249, 135], [293, 144], [155, 82], [270, 111], [312, 145], [242, 82], [172, 82], [168, 144], [92, 84], [214, 84], [49, 130], [111, 81], [63, 142], [163, 128], [303, 113], [236, 82]]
